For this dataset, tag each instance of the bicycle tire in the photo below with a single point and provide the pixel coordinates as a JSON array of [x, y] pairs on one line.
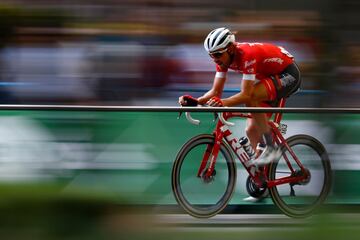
[[225, 173], [288, 204]]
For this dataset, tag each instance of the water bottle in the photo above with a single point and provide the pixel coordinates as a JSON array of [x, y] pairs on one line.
[[245, 143]]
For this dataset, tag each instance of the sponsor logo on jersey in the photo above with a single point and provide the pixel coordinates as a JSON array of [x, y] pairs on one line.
[[255, 44], [275, 60], [249, 63]]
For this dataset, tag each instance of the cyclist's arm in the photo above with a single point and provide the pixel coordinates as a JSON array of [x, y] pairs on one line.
[[216, 90], [243, 97]]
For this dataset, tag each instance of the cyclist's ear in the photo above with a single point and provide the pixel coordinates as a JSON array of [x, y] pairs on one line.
[[231, 48]]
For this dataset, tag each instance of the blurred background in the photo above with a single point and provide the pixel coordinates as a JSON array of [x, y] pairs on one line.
[[148, 52], [70, 174]]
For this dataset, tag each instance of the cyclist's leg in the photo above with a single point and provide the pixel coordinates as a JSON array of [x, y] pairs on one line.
[[257, 126], [253, 132], [265, 95], [276, 87]]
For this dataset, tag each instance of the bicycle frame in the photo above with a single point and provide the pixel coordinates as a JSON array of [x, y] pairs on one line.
[[258, 175]]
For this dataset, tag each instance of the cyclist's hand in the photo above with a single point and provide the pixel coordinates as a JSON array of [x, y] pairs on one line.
[[215, 102], [187, 100]]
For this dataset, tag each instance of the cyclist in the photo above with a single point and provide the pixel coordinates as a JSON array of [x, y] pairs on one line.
[[269, 73]]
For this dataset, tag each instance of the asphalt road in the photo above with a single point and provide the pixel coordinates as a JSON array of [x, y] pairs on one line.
[[259, 226]]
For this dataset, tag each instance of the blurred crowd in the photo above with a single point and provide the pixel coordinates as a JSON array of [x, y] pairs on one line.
[[148, 52]]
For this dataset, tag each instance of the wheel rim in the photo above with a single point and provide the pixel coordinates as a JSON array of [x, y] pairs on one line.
[[308, 195], [201, 198]]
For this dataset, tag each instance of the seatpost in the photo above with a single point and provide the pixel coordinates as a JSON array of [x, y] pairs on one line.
[[278, 116]]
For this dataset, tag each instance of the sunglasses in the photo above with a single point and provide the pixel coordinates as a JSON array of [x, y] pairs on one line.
[[218, 54]]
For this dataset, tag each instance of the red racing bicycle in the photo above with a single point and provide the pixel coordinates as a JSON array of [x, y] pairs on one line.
[[204, 172]]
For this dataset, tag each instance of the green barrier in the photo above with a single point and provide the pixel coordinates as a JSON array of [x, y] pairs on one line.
[[128, 156]]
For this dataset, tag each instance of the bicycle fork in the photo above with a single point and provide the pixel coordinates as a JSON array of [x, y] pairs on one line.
[[211, 154]]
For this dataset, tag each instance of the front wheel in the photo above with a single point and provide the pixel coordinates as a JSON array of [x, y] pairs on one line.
[[201, 197], [302, 198]]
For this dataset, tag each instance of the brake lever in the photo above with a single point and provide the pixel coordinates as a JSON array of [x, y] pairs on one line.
[[216, 117], [180, 113]]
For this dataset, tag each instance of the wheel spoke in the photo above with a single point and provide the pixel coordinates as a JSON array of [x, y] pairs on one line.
[[203, 196], [300, 199], [283, 172]]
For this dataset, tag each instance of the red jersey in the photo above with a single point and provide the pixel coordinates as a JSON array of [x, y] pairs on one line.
[[258, 60]]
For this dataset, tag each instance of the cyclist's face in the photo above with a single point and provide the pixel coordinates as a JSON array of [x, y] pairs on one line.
[[221, 58]]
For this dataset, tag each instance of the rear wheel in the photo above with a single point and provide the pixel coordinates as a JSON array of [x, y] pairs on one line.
[[301, 199], [200, 196]]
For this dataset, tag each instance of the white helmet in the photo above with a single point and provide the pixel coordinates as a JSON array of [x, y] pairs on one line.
[[218, 39]]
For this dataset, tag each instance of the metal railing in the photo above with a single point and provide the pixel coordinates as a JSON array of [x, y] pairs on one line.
[[175, 109]]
